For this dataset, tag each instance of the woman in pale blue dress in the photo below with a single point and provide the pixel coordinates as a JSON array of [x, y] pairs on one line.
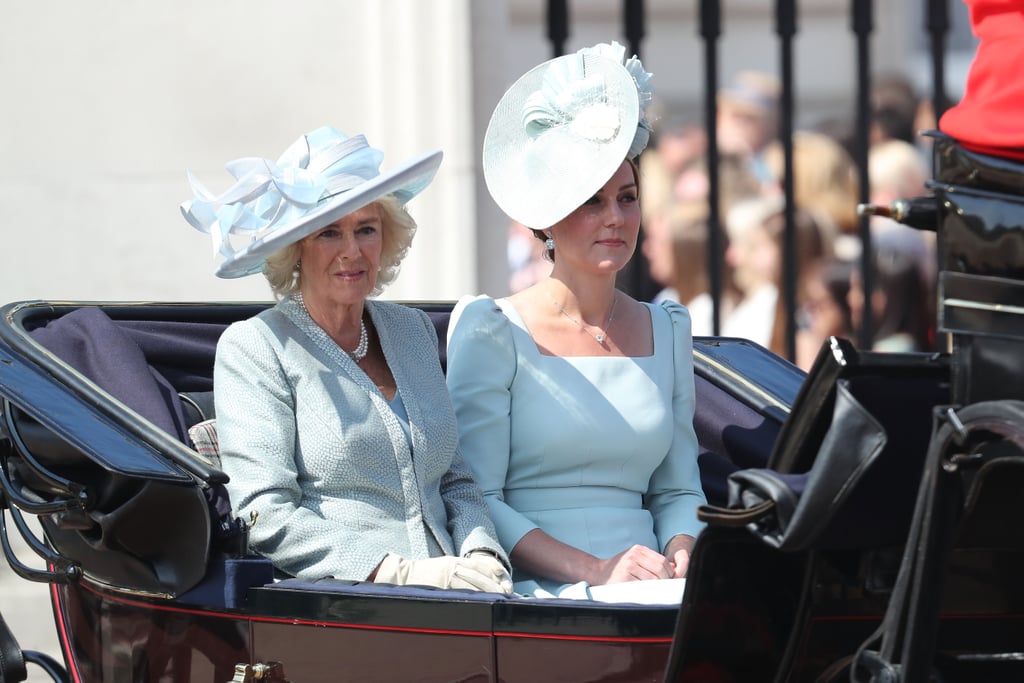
[[574, 401]]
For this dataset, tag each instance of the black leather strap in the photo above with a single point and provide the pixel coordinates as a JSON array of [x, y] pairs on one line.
[[12, 663], [735, 518]]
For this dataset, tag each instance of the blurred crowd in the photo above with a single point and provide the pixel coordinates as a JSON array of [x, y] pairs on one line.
[[829, 297]]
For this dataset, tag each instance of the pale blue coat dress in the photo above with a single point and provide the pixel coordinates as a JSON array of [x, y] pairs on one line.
[[599, 452], [337, 475]]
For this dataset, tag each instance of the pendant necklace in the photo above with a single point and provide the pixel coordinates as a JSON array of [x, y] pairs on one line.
[[599, 338]]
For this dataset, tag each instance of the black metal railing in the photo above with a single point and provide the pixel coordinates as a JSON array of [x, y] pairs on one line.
[[862, 25], [635, 279]]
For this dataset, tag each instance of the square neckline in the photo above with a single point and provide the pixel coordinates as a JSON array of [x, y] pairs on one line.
[[516, 319]]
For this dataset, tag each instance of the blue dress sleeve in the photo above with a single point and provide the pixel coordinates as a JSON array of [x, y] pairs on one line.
[[481, 369], [469, 523], [675, 490]]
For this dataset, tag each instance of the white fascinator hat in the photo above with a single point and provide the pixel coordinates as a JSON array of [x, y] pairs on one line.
[[562, 130], [323, 176]]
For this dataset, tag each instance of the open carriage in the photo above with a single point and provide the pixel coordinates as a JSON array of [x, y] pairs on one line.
[[861, 518], [151, 576]]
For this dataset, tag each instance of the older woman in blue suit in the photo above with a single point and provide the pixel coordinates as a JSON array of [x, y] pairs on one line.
[[333, 416]]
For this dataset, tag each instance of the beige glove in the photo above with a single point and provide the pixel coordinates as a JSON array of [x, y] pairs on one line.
[[479, 572]]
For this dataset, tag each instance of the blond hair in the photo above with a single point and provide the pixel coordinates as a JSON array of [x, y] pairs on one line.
[[824, 177]]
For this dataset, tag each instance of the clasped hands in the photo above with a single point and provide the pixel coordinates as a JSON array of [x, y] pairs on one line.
[[640, 563], [478, 571]]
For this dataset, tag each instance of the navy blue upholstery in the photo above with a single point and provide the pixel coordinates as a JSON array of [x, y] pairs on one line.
[[227, 581], [332, 585], [343, 587], [732, 436], [105, 352]]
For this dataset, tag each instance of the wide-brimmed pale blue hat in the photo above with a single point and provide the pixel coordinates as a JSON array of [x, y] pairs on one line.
[[323, 176], [562, 130]]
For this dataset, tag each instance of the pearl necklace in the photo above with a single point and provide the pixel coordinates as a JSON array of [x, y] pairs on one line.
[[364, 344], [361, 349], [599, 338]]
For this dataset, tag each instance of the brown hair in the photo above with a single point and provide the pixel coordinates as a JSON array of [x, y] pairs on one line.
[[688, 225], [824, 177], [549, 254]]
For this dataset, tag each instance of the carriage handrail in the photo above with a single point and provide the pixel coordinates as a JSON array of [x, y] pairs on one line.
[[61, 569], [78, 497]]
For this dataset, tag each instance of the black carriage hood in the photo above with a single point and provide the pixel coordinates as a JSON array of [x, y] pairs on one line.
[[96, 430]]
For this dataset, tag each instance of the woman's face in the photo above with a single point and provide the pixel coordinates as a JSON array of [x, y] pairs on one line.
[[600, 235], [755, 259], [339, 263]]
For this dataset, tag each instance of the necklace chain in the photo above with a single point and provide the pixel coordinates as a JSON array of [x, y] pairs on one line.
[[599, 338]]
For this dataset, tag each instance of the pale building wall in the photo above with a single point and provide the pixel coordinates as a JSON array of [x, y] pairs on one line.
[[106, 104]]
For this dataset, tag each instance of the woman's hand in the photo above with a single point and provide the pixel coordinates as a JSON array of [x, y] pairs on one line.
[[638, 563], [539, 554], [479, 572], [678, 552]]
